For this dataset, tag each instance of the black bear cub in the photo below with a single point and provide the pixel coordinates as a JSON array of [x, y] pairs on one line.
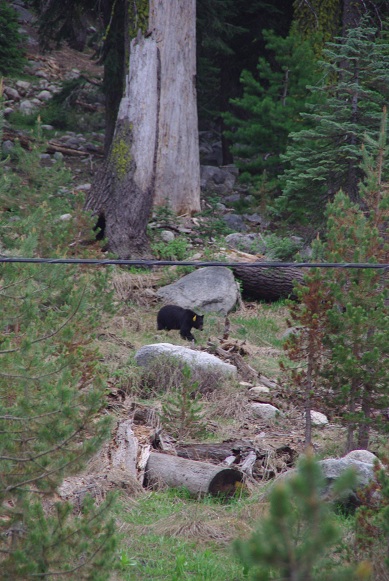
[[173, 317]]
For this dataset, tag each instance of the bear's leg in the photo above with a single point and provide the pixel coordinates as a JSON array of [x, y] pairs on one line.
[[186, 334]]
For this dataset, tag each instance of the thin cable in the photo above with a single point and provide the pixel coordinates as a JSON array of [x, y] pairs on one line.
[[122, 262]]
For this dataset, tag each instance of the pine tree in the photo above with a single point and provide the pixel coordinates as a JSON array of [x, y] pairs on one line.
[[182, 411], [271, 105], [292, 542], [328, 156], [344, 313], [51, 389], [305, 345], [357, 336]]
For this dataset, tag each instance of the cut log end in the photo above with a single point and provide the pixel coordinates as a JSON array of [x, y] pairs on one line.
[[225, 482]]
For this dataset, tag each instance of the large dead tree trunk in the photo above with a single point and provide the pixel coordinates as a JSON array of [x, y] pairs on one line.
[[122, 194], [197, 477], [268, 284], [177, 181], [154, 155]]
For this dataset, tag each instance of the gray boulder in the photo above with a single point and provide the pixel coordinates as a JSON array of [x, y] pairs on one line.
[[252, 243], [209, 289], [197, 360], [361, 462], [235, 222], [333, 468], [220, 180]]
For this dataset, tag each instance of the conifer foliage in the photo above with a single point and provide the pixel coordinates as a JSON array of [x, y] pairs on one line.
[[271, 105], [51, 390], [327, 157], [291, 543], [350, 319], [11, 54]]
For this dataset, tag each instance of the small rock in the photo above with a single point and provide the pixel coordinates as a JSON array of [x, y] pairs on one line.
[[246, 242], [7, 147], [44, 96], [253, 218], [58, 156], [167, 236], [73, 142], [318, 419], [11, 93], [260, 393], [42, 74], [235, 222], [27, 107], [73, 74], [232, 198], [8, 111], [291, 331], [84, 187], [23, 87], [65, 217], [265, 411], [47, 127]]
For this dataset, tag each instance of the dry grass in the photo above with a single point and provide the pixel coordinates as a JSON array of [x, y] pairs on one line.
[[137, 288], [200, 523]]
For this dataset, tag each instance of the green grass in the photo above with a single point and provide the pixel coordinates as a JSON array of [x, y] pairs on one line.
[[154, 549], [264, 327]]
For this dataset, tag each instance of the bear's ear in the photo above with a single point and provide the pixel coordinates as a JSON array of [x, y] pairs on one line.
[[194, 318]]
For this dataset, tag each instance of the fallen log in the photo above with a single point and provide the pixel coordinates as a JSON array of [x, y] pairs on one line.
[[197, 477], [268, 284], [214, 452]]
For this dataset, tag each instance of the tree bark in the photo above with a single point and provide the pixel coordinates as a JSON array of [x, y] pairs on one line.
[[154, 154], [197, 477], [352, 13], [177, 180], [215, 452], [123, 190], [268, 284]]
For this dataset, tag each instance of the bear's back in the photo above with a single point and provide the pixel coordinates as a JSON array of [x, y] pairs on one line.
[[171, 317]]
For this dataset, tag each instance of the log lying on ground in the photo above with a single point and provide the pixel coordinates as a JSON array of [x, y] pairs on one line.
[[215, 452], [197, 477], [268, 284]]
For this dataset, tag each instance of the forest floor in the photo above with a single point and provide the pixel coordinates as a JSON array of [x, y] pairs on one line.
[[257, 327]]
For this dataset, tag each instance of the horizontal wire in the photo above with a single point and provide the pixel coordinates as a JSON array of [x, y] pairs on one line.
[[122, 262]]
